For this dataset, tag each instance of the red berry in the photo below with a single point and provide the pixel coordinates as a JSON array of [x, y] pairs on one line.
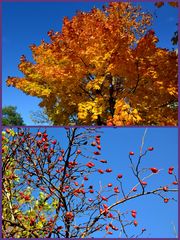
[[108, 170], [27, 197], [154, 170], [8, 130], [165, 189], [45, 148], [59, 228], [76, 183], [133, 213], [90, 164], [21, 194], [85, 178], [69, 215], [42, 188], [135, 223], [101, 210], [120, 176], [3, 138], [45, 135], [166, 200], [116, 190], [143, 183], [78, 151], [60, 158], [107, 227], [110, 215], [103, 161], [170, 170], [100, 171], [150, 148], [175, 183], [105, 206], [93, 144], [82, 191], [91, 191], [109, 184], [54, 142], [97, 153], [99, 147], [131, 153], [114, 228], [51, 150], [21, 134], [97, 137], [104, 199]]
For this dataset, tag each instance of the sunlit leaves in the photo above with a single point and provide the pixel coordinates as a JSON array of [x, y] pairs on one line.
[[98, 59], [124, 115]]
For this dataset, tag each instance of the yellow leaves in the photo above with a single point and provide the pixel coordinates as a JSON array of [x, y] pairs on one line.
[[159, 83], [37, 90], [30, 87], [152, 74], [155, 40], [125, 114], [108, 54], [91, 109], [63, 61], [173, 91], [39, 225], [95, 84], [5, 149]]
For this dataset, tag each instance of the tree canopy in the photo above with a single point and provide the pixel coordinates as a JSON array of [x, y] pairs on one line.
[[10, 117], [103, 68]]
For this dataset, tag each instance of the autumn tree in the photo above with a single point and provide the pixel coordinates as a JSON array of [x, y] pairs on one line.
[[103, 68], [48, 190]]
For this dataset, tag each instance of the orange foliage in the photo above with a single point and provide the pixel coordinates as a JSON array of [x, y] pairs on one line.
[[103, 68]]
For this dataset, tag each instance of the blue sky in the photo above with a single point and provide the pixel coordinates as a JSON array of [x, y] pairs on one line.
[[27, 23], [152, 213]]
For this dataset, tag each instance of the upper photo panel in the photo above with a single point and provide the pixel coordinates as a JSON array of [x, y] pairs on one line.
[[91, 63]]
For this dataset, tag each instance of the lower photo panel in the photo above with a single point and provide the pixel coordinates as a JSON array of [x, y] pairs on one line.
[[89, 182]]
